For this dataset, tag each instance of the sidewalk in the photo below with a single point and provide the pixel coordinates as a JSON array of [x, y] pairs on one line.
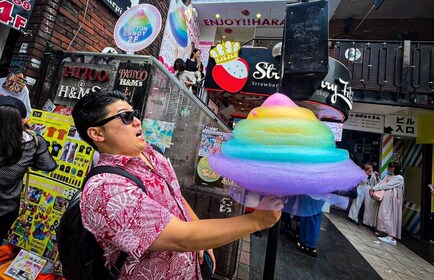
[[345, 251]]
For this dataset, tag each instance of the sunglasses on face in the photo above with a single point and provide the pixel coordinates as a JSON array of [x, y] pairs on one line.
[[126, 117]]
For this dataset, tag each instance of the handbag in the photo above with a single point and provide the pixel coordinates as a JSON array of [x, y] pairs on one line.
[[378, 195]]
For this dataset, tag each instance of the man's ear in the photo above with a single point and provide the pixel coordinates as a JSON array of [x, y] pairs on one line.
[[95, 133]]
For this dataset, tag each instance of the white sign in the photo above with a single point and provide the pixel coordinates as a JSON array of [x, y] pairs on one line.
[[401, 126], [365, 122], [137, 28]]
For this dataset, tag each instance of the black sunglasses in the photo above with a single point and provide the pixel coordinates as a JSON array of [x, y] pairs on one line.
[[126, 117]]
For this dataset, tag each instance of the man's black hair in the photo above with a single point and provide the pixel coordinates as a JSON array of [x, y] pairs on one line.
[[91, 109]]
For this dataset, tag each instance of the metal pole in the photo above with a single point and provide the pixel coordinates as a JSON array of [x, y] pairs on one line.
[[271, 252]]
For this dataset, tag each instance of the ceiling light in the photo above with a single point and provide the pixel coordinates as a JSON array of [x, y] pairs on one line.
[[223, 36], [258, 15], [217, 15]]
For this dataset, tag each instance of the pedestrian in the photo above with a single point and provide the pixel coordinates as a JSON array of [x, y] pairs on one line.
[[310, 225], [389, 217], [193, 64], [372, 178], [158, 229], [19, 150], [13, 85], [187, 78]]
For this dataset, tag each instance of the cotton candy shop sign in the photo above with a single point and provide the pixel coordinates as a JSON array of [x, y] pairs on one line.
[[137, 28]]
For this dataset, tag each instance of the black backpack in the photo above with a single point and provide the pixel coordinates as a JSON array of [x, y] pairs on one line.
[[80, 254]]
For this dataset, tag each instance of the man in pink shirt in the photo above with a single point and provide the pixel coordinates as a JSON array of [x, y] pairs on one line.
[[158, 229]]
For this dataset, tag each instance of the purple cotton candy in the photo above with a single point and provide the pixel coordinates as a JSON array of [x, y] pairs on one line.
[[280, 178]]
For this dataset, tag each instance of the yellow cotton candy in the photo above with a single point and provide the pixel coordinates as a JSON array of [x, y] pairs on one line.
[[281, 112]]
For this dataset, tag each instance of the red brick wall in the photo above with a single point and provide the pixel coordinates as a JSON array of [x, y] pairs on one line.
[[59, 21]]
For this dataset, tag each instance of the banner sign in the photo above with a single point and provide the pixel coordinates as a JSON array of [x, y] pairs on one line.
[[401, 126], [131, 80], [263, 72], [49, 193], [180, 36], [137, 28], [16, 14], [365, 122]]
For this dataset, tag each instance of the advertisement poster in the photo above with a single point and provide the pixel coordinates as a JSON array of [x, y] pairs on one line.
[[131, 80], [35, 228], [211, 141], [72, 155], [181, 34], [159, 133], [26, 266], [16, 14]]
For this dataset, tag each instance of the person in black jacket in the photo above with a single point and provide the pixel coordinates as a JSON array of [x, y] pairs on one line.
[[19, 150]]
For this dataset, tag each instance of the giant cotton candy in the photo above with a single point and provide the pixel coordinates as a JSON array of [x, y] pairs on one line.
[[283, 149]]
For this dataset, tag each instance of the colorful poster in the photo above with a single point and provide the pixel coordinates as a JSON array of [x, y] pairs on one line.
[[181, 34], [211, 141], [72, 155], [41, 210], [159, 133], [26, 266]]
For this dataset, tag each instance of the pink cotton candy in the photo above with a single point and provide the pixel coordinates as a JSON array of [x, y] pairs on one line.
[[278, 99]]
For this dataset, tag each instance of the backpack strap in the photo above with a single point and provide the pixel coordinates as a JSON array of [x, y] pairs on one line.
[[116, 269]]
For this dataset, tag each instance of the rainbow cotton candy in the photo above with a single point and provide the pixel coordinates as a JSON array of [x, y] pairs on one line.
[[282, 149]]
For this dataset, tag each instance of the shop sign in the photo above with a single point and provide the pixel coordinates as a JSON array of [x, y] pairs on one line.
[[16, 13], [245, 22], [334, 97], [137, 28], [118, 6], [259, 75], [78, 79], [131, 80], [365, 122], [400, 125]]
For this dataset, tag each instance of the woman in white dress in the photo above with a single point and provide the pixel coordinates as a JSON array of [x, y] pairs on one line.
[[389, 217]]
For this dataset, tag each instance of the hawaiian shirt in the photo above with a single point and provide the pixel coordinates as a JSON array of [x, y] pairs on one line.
[[123, 217]]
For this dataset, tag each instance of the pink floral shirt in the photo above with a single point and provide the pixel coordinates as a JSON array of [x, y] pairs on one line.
[[121, 216]]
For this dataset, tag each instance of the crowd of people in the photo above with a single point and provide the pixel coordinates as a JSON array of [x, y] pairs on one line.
[[190, 72], [383, 200]]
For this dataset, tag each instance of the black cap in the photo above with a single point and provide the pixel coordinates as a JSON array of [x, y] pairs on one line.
[[14, 102]]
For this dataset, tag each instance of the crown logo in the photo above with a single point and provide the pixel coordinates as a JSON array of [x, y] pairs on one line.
[[225, 52]]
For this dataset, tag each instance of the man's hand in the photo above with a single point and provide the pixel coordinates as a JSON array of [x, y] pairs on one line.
[[267, 218]]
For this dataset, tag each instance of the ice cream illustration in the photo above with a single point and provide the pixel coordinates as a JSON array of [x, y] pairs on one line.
[[138, 25], [284, 149], [178, 25]]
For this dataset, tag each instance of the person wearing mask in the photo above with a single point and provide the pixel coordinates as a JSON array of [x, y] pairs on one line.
[[19, 150], [187, 78], [372, 178], [389, 217], [13, 85], [158, 229], [193, 64]]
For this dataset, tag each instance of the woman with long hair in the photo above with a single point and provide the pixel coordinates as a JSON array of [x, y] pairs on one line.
[[19, 150], [193, 64], [389, 217]]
